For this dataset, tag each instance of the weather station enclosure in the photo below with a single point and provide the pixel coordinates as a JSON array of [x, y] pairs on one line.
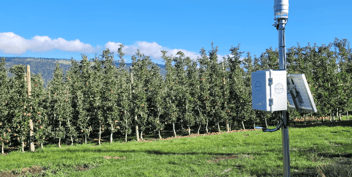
[[269, 91]]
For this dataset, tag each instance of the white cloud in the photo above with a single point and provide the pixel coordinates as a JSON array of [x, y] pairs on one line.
[[189, 54], [112, 46], [151, 49], [11, 43]]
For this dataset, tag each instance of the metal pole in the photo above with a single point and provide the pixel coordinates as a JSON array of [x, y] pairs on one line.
[[285, 146], [284, 129]]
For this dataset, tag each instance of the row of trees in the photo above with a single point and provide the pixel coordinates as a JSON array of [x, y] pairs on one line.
[[116, 100]]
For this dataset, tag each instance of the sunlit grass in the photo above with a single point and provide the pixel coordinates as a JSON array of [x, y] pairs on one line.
[[248, 153]]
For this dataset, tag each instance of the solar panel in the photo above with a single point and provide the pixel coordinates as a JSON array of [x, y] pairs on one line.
[[301, 92]]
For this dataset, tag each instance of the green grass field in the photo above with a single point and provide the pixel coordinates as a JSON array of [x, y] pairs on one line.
[[314, 149]]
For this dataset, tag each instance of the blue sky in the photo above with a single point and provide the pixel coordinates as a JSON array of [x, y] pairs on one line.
[[65, 29]]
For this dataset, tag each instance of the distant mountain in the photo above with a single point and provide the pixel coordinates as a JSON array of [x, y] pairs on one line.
[[46, 66]]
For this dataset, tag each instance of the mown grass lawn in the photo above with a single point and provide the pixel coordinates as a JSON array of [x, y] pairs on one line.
[[243, 153]]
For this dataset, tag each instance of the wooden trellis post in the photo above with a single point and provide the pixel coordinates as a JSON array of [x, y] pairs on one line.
[[27, 78]]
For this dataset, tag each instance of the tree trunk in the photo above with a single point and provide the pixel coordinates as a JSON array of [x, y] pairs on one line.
[[201, 116], [41, 144], [185, 116], [173, 125], [244, 128], [126, 136], [333, 117], [206, 128], [189, 130], [199, 128], [111, 137], [69, 126], [142, 135], [227, 126], [160, 135], [347, 116], [126, 131], [330, 116], [159, 120], [219, 127], [337, 114], [266, 123], [22, 144], [254, 123], [85, 138], [99, 133], [137, 133], [2, 147], [60, 137]]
